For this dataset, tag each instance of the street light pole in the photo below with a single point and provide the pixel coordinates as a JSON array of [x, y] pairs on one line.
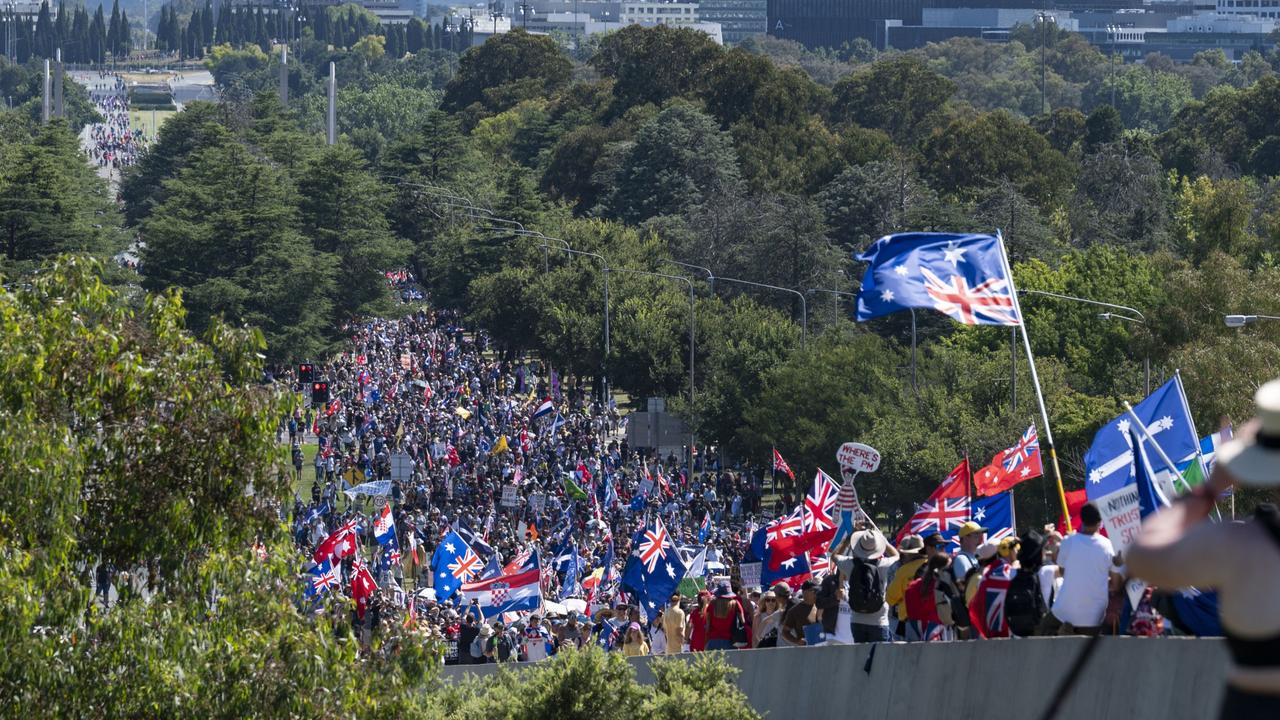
[[692, 340], [804, 306], [1134, 316], [604, 363], [1044, 18], [913, 329]]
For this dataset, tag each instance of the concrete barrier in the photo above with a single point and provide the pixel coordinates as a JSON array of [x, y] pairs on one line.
[[1126, 678]]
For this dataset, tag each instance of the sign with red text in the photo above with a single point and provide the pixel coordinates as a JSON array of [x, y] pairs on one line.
[[858, 457]]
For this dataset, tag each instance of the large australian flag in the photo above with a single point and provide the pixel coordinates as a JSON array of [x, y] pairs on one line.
[[654, 568], [959, 275]]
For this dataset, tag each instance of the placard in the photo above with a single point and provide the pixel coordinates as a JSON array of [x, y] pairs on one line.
[[750, 574], [537, 502], [509, 498], [859, 457], [401, 466]]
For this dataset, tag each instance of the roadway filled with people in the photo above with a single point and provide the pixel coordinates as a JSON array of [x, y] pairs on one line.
[[487, 501]]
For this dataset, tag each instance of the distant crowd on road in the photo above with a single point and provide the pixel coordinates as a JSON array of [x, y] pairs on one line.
[[113, 143]]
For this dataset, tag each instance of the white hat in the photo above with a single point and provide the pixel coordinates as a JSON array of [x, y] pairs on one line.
[[1253, 457], [868, 545]]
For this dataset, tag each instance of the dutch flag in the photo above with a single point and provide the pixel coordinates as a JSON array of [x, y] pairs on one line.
[[546, 408]]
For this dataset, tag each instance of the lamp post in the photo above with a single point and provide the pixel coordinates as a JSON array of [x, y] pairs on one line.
[[688, 282], [1044, 19], [1114, 31], [604, 362], [804, 306], [1134, 316], [1239, 321], [844, 293]]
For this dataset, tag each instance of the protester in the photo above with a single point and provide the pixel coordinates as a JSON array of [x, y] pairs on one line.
[[800, 615], [635, 644], [726, 620], [673, 625], [869, 572], [1086, 566], [768, 616], [1179, 547]]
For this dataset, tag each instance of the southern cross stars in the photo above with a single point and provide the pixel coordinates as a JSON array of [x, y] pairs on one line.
[[953, 254], [887, 296]]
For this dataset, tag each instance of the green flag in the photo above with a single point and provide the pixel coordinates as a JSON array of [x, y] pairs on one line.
[[572, 490]]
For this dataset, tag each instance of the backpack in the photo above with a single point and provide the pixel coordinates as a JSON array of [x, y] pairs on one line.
[[1024, 605], [477, 648], [866, 591], [504, 647]]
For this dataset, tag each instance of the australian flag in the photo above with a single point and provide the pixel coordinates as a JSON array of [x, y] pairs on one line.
[[960, 275], [321, 578], [453, 563], [654, 568]]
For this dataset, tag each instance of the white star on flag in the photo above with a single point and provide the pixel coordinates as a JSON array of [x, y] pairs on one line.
[[901, 270], [448, 547], [670, 570], [980, 514], [887, 296], [1164, 423], [788, 563], [1025, 471], [953, 254]]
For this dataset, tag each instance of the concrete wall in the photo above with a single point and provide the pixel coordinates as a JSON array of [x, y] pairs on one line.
[[1126, 678]]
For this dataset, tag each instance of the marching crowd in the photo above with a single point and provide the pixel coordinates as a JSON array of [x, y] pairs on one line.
[[427, 419], [113, 143]]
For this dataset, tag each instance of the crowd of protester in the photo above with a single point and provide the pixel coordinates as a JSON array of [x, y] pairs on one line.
[[448, 420], [113, 143]]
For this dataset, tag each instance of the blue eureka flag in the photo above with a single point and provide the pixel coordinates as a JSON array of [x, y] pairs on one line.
[[959, 275], [1109, 463]]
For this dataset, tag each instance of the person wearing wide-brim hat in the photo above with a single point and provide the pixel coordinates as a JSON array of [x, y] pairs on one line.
[[1179, 547], [870, 548]]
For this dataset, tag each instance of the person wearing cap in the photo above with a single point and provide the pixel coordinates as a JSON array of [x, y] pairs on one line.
[[971, 535], [1086, 566], [914, 554], [725, 618], [482, 641], [800, 615], [633, 643], [987, 619], [1179, 546], [536, 639], [869, 547]]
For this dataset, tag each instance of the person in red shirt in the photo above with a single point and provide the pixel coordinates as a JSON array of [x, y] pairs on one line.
[[724, 614], [698, 623]]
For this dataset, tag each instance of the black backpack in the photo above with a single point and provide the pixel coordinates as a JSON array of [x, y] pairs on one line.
[[866, 591], [1024, 605]]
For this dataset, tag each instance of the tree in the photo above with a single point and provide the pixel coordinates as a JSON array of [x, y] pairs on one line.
[[899, 95], [343, 211], [227, 235], [977, 151], [51, 202], [1213, 215], [1145, 98], [506, 69], [631, 56], [1122, 196], [196, 128], [676, 161], [871, 200]]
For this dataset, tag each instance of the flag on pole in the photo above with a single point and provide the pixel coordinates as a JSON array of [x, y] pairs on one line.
[[546, 408], [962, 276], [512, 592], [946, 509], [572, 490], [322, 577], [817, 526], [781, 465], [453, 564], [654, 568], [1011, 466], [704, 530]]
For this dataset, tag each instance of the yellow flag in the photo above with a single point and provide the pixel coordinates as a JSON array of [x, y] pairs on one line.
[[463, 413], [501, 445]]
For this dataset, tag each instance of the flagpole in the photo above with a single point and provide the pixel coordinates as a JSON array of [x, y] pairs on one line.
[[1195, 435], [1146, 434], [1035, 380]]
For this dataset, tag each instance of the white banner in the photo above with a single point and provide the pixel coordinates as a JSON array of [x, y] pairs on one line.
[[380, 487], [750, 574], [1121, 515]]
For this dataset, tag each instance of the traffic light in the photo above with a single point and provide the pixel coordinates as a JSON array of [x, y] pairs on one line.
[[319, 392], [306, 373]]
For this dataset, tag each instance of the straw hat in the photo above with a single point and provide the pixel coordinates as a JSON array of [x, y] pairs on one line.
[[868, 545], [1253, 457]]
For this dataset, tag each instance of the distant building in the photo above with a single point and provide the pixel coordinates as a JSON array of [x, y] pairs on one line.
[[738, 19]]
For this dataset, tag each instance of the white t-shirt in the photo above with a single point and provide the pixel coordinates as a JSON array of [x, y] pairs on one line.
[[1086, 567], [844, 626], [1049, 583]]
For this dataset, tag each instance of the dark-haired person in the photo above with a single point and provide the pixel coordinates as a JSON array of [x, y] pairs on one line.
[[1179, 547], [1086, 563]]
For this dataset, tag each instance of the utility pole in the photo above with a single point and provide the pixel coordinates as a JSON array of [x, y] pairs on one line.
[[284, 76], [59, 110], [333, 103], [44, 96]]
